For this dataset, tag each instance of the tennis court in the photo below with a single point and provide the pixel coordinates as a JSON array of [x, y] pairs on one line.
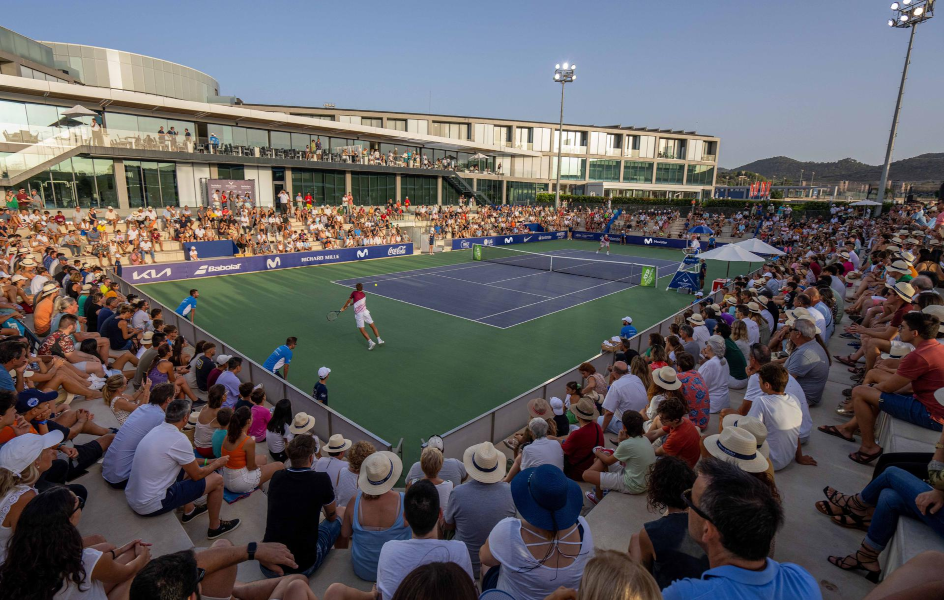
[[508, 287]]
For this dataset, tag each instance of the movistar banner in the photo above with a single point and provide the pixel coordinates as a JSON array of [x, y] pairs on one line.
[[249, 264], [639, 240], [505, 240]]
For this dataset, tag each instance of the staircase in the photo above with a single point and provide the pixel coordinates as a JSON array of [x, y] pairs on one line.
[[461, 185], [36, 158]]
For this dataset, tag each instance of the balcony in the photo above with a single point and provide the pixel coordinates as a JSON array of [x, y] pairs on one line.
[[709, 158], [524, 146]]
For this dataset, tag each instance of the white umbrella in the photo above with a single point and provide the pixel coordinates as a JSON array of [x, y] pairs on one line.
[[79, 111], [866, 203], [759, 247], [731, 253]]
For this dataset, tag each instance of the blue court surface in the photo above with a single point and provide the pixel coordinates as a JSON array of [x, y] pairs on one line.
[[510, 288]]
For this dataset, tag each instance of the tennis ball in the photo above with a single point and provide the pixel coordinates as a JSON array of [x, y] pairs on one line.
[[375, 285]]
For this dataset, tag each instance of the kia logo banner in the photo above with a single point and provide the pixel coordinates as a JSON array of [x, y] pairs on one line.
[[505, 240], [215, 267]]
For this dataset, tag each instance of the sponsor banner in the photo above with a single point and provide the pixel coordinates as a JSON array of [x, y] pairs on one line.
[[505, 240], [660, 242], [213, 249], [249, 264], [685, 281], [594, 235], [231, 187], [649, 277]]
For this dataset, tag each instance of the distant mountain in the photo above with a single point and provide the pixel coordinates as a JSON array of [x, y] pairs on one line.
[[926, 167]]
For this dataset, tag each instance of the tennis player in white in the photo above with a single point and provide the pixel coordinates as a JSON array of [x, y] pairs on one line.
[[604, 244], [362, 315]]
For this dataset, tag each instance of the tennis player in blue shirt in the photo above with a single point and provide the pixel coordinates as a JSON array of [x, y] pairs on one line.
[[188, 307], [280, 358]]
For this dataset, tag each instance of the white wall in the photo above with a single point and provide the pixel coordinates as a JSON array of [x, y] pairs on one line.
[[263, 177]]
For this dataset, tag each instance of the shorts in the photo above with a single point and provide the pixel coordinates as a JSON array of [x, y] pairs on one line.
[[81, 366], [901, 345], [241, 480], [181, 493], [908, 408], [362, 318], [604, 243], [613, 480]]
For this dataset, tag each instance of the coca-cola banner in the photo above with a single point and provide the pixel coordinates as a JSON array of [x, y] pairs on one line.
[[249, 264]]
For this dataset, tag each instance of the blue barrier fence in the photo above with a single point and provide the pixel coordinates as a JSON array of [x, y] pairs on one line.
[[250, 264], [506, 240], [211, 249]]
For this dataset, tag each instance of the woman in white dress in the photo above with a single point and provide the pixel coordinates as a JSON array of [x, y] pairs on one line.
[[714, 370]]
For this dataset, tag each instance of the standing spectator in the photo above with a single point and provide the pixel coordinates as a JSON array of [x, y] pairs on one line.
[[734, 517], [304, 494], [157, 484], [663, 546], [625, 469], [477, 506], [627, 393], [546, 548]]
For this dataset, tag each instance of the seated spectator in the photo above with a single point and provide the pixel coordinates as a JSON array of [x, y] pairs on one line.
[[735, 517], [611, 574], [578, 445], [46, 554], [228, 379], [304, 494], [689, 343], [737, 362], [62, 343], [540, 451], [22, 461], [477, 506], [245, 395], [436, 580], [161, 460], [591, 379], [737, 445], [117, 462], [714, 371], [260, 415], [122, 406], [625, 469], [561, 422], [245, 470], [431, 461], [681, 437], [278, 433], [694, 390], [212, 572], [163, 371], [223, 417], [627, 393], [377, 514], [544, 549], [399, 557], [207, 423], [201, 365], [922, 369], [221, 363], [780, 412], [808, 363], [452, 468], [663, 546], [346, 487], [146, 360], [665, 384]]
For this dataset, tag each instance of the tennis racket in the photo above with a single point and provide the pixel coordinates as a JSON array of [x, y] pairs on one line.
[[333, 315]]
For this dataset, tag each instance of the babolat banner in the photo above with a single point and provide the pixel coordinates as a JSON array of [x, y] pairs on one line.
[[251, 264], [594, 235], [506, 240]]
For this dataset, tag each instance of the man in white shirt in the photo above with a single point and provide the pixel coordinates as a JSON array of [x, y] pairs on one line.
[[162, 459], [700, 333], [743, 313], [542, 451], [626, 393], [398, 558], [760, 356], [780, 412]]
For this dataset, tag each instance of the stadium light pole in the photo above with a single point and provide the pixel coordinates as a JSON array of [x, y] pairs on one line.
[[563, 74], [907, 13]]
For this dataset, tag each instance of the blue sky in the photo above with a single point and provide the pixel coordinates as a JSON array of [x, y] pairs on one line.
[[809, 80]]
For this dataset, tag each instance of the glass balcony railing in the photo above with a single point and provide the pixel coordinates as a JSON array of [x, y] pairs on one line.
[[709, 157], [524, 145]]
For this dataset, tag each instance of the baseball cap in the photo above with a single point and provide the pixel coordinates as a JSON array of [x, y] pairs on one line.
[[20, 452], [31, 398], [323, 372], [434, 441], [223, 358], [627, 319], [557, 405]]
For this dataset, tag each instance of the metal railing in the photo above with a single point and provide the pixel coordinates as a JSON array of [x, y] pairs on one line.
[[502, 421], [327, 421]]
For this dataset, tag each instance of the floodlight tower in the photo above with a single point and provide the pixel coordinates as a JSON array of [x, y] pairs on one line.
[[563, 74], [907, 14]]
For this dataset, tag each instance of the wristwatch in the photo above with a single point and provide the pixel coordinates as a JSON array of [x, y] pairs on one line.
[[251, 549], [939, 446]]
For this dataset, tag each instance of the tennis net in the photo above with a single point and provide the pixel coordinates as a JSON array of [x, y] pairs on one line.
[[623, 272]]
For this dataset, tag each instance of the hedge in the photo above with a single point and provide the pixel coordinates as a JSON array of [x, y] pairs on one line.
[[814, 205]]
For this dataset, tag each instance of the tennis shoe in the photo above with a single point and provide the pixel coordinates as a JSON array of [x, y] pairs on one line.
[[380, 342], [371, 345]]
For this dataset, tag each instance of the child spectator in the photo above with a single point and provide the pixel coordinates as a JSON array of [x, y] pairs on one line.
[[260, 415], [682, 437]]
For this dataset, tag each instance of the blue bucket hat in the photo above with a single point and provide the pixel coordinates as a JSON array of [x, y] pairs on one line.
[[546, 498]]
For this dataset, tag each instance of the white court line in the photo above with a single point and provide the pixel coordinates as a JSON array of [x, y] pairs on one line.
[[414, 273], [428, 308], [491, 285], [563, 296]]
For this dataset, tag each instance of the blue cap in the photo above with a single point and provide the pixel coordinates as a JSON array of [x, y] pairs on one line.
[[31, 398]]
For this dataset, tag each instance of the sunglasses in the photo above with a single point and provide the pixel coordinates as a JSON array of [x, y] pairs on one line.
[[79, 506], [687, 499]]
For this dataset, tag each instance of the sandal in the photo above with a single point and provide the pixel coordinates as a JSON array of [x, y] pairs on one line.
[[846, 360], [857, 565], [834, 431], [863, 458], [847, 393], [829, 509], [852, 521], [856, 370]]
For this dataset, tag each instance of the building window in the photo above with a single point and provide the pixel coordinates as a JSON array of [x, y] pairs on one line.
[[396, 124], [502, 136], [231, 172], [700, 175], [325, 187], [614, 144], [524, 138], [571, 168], [455, 131], [151, 184], [523, 192], [77, 181], [671, 148], [373, 190], [637, 172], [575, 142], [420, 190], [670, 173], [604, 170], [492, 190], [371, 122]]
